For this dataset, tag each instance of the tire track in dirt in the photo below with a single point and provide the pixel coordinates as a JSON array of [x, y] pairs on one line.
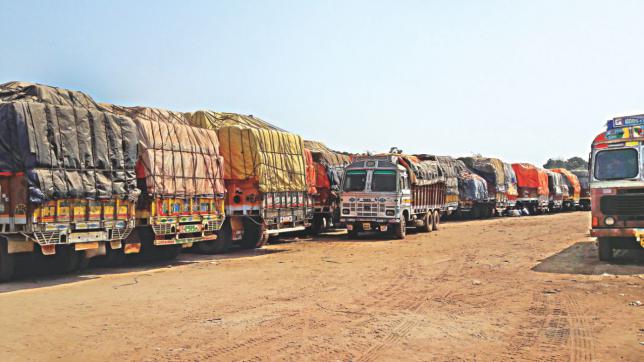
[[405, 326], [581, 338]]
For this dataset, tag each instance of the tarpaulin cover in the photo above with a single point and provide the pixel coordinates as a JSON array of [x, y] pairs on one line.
[[326, 155], [491, 169], [530, 176], [178, 159], [311, 178], [65, 151], [426, 172], [216, 120], [448, 168], [322, 180], [510, 180], [472, 187], [275, 159], [572, 179], [31, 92]]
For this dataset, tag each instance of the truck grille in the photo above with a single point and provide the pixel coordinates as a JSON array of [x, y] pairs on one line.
[[627, 205], [367, 208]]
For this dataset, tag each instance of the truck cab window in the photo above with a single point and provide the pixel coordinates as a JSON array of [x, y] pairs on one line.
[[383, 181], [616, 164], [355, 180]]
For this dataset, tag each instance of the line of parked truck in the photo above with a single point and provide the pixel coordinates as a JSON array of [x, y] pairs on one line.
[[82, 180]]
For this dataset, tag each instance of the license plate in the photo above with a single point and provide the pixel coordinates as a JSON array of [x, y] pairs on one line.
[[89, 236], [287, 219], [366, 226]]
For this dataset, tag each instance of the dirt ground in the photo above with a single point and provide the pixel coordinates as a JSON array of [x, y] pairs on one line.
[[526, 288]]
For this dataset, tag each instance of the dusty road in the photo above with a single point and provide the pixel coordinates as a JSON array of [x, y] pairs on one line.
[[513, 288]]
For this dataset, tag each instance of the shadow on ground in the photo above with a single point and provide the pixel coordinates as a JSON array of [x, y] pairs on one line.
[[581, 258], [34, 275]]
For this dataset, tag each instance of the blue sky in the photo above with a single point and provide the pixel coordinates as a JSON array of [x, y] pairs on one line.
[[519, 80]]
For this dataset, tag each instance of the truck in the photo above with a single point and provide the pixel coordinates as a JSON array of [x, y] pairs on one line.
[[532, 184], [494, 173], [470, 190], [179, 171], [584, 195], [388, 192], [571, 200], [67, 177], [617, 186], [555, 191], [328, 168], [264, 177], [510, 185]]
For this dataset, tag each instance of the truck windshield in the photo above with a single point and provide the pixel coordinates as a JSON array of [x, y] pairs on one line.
[[616, 164], [383, 181], [355, 180]]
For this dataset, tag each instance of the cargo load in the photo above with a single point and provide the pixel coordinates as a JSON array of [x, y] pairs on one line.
[[574, 188], [67, 175], [510, 184], [176, 159], [555, 190], [494, 173], [326, 155], [265, 172], [66, 146], [530, 176], [448, 168]]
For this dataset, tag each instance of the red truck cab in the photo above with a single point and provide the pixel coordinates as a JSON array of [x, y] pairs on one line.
[[617, 186]]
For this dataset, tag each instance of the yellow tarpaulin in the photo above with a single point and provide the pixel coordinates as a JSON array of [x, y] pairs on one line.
[[274, 158]]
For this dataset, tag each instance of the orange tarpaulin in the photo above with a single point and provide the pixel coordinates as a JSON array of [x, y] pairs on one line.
[[321, 177], [530, 176], [573, 179], [310, 172]]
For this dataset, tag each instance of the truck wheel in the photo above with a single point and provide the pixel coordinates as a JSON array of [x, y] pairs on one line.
[[168, 252], [66, 259], [7, 264], [436, 220], [605, 249], [317, 225], [252, 234], [352, 234], [220, 245], [400, 229], [427, 223], [114, 257]]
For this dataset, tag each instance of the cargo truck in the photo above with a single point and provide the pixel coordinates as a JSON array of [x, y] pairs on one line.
[[555, 191], [617, 186], [67, 178], [510, 185], [389, 192], [571, 200], [494, 173], [180, 174], [471, 192], [264, 176], [584, 196], [328, 166], [532, 185]]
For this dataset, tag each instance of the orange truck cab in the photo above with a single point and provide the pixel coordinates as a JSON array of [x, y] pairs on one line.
[[617, 186]]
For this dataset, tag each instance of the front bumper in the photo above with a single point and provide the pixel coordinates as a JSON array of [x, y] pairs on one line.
[[636, 233]]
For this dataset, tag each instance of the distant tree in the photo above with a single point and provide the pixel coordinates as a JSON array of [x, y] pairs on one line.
[[573, 163]]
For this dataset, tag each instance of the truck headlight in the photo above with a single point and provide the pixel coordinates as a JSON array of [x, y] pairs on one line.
[[345, 211], [389, 212], [610, 221]]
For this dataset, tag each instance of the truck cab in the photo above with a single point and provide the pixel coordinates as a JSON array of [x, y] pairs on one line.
[[617, 186], [376, 195]]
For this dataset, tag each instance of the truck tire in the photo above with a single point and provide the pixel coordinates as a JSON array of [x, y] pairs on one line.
[[7, 264], [605, 249], [400, 229], [252, 234], [317, 224], [66, 259], [352, 234], [427, 223], [113, 257], [220, 245], [436, 220], [168, 252]]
